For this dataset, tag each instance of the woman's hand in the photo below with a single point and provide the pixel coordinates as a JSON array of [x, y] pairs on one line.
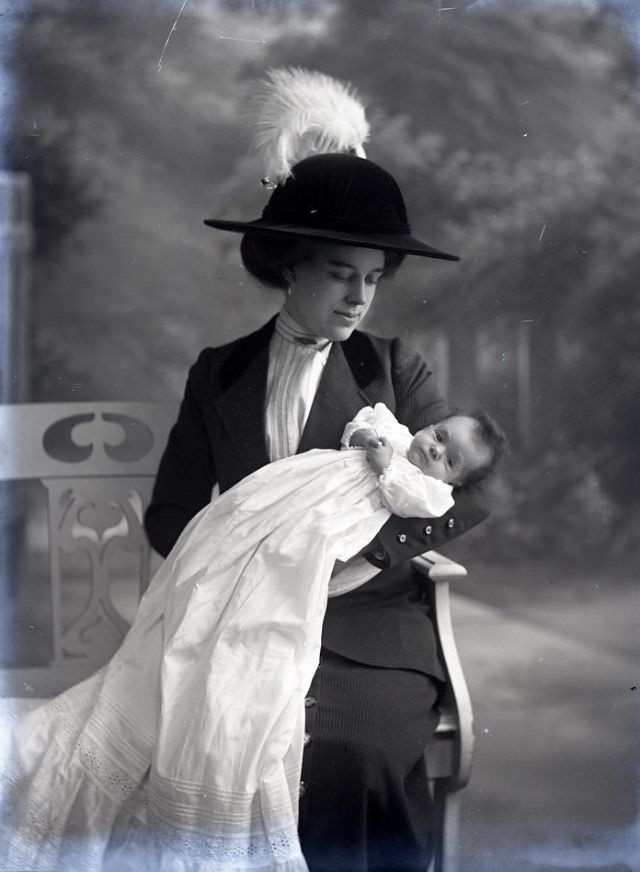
[[379, 455]]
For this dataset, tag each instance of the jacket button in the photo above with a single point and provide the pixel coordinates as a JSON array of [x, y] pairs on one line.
[[402, 538], [309, 701], [307, 739], [303, 789], [451, 523], [428, 530]]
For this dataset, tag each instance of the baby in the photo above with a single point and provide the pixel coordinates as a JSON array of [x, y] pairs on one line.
[[417, 475], [460, 449]]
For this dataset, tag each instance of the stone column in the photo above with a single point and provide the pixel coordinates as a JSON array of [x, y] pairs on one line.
[[15, 263]]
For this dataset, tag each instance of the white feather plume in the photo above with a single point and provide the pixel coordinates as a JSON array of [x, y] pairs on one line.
[[301, 112]]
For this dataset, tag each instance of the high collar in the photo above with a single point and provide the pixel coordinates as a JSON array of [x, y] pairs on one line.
[[289, 329]]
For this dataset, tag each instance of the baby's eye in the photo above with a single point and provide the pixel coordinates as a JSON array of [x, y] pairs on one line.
[[438, 436]]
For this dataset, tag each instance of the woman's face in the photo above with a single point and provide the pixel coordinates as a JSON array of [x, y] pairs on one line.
[[332, 288]]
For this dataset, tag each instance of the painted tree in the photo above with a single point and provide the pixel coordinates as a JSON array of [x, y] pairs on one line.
[[517, 152]]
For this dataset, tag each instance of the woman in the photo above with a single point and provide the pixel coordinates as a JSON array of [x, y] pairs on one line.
[[326, 237]]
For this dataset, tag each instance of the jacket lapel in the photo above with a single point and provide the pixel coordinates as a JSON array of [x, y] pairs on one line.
[[241, 405], [337, 400]]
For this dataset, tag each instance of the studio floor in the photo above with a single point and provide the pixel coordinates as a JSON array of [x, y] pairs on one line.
[[552, 661], [555, 684]]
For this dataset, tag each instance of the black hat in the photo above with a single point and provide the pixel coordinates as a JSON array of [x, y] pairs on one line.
[[341, 198]]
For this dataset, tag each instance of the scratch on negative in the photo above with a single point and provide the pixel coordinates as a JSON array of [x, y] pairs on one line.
[[544, 227], [173, 27], [241, 39]]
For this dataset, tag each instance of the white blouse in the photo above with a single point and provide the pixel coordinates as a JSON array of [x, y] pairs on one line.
[[295, 370]]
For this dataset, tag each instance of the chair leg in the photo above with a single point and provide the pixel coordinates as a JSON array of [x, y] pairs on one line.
[[446, 827]]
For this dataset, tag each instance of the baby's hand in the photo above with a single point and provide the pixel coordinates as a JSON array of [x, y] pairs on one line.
[[379, 456], [366, 437]]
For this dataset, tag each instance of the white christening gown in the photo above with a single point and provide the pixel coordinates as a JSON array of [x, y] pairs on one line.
[[184, 752]]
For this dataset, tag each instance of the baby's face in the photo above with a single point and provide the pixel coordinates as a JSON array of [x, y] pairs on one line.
[[450, 450]]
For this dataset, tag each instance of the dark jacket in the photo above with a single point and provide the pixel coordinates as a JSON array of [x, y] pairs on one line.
[[219, 437]]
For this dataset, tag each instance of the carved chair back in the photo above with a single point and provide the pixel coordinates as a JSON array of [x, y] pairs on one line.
[[96, 462]]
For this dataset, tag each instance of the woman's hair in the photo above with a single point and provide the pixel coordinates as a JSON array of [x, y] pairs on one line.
[[268, 257]]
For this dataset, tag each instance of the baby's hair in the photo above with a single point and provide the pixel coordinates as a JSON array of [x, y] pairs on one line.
[[491, 435]]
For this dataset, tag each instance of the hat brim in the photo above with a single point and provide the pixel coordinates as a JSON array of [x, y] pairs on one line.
[[389, 241]]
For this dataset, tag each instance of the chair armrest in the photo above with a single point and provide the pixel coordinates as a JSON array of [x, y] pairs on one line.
[[437, 567], [456, 715]]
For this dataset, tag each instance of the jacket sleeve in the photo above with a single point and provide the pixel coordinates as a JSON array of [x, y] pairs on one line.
[[186, 474], [419, 403]]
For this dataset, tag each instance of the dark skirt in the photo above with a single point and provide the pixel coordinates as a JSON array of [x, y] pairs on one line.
[[365, 801]]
